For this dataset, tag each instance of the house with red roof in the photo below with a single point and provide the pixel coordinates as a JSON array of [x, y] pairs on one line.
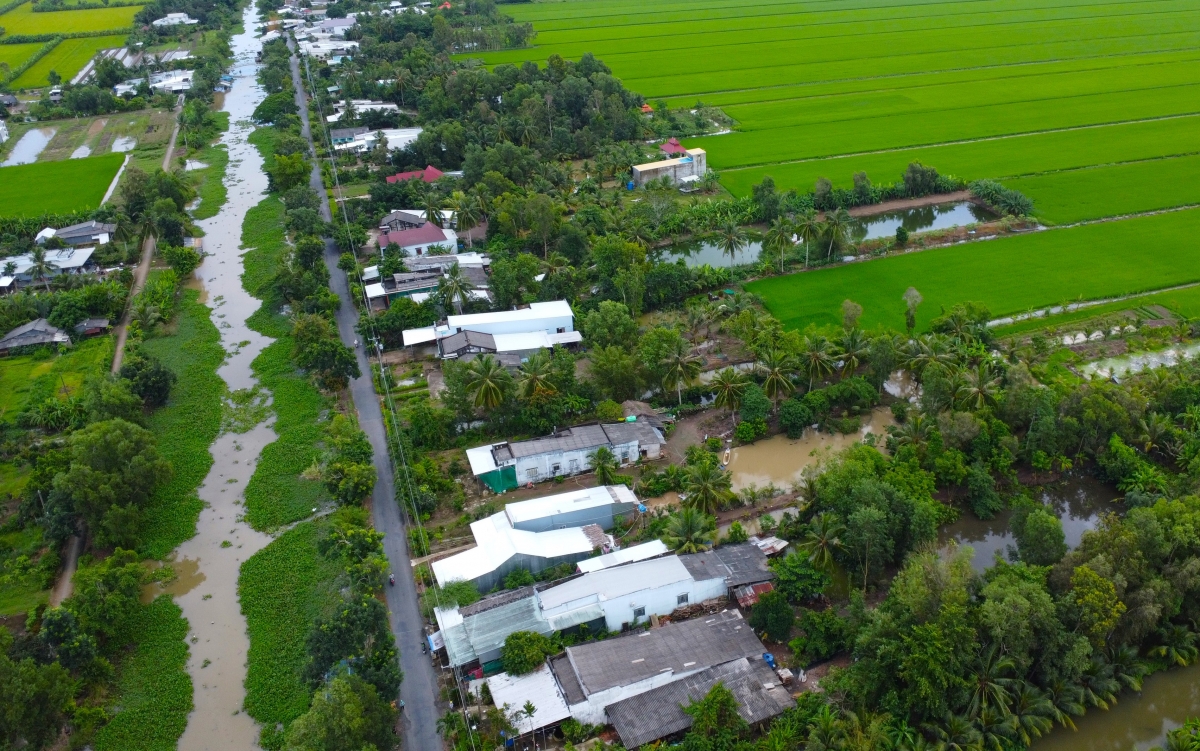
[[429, 174], [420, 240], [673, 147]]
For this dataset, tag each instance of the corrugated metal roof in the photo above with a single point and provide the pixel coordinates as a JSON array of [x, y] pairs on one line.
[[738, 564], [586, 614], [659, 712], [676, 648], [538, 687], [485, 631], [566, 503], [641, 552], [537, 310], [578, 438], [496, 541], [616, 582]]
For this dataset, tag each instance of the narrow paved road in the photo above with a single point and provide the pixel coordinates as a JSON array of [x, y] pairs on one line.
[[419, 689]]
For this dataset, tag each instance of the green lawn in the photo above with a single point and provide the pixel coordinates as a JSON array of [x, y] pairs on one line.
[[22, 20], [187, 425], [57, 187], [68, 58], [1009, 275]]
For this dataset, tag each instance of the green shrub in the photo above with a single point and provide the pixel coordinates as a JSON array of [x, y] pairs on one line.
[[524, 652]]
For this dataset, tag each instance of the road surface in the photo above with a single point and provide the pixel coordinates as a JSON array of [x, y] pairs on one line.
[[419, 688]]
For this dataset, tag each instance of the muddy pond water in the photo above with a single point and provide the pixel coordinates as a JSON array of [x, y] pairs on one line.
[[1078, 502], [782, 461], [26, 150], [1115, 367]]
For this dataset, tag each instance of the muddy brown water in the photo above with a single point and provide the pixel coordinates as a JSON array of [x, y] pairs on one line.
[[208, 564], [1079, 501], [782, 461]]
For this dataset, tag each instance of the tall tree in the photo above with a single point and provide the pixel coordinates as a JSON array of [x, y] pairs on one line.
[[487, 381]]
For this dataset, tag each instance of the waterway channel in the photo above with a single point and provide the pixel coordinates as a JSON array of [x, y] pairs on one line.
[[209, 563]]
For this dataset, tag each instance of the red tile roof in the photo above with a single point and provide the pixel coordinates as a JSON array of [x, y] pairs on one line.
[[673, 147], [429, 174], [426, 233]]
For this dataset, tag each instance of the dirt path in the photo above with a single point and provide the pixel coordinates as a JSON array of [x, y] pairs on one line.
[[143, 269], [65, 584], [902, 204]]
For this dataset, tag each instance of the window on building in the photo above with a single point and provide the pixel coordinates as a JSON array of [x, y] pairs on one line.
[[574, 465], [624, 457], [531, 473], [639, 612], [556, 469], [682, 599]]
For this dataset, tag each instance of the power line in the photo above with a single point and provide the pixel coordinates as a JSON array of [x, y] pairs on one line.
[[402, 460]]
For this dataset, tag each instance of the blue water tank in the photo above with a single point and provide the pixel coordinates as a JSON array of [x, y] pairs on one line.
[[769, 659]]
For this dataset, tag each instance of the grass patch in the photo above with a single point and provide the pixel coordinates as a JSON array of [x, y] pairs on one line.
[[56, 187], [283, 588], [1185, 302], [22, 20], [187, 425], [276, 494], [24, 594], [1009, 275], [68, 58], [153, 690], [32, 378], [211, 191], [262, 233]]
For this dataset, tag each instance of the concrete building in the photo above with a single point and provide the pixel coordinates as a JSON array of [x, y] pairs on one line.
[[539, 326], [419, 241], [500, 549], [682, 170], [336, 26], [504, 466], [628, 595], [736, 565], [537, 535], [174, 19], [85, 233]]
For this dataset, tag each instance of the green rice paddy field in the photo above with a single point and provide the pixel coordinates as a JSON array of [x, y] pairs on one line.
[[22, 20], [67, 59], [56, 187], [1090, 107]]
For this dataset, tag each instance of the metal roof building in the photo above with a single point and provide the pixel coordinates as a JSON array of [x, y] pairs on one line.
[[595, 675], [659, 712], [574, 509], [478, 631], [642, 552], [738, 564]]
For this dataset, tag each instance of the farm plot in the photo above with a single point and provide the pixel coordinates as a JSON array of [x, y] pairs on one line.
[[982, 88], [56, 187], [22, 20], [1009, 275], [67, 59], [16, 54]]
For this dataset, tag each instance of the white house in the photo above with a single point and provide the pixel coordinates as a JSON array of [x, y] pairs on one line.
[[395, 138], [85, 233], [328, 49], [646, 550], [503, 466], [60, 261], [175, 19], [553, 317], [170, 82], [630, 594], [682, 170], [358, 105], [336, 26]]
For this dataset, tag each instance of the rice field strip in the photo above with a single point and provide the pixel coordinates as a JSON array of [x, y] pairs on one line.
[[1066, 27], [739, 12], [1120, 217], [914, 147], [1082, 305], [1097, 165], [1190, 54]]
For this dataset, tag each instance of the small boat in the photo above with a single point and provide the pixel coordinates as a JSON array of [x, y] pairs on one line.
[[725, 461]]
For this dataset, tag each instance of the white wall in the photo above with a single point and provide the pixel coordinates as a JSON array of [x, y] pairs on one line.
[[592, 711], [544, 463]]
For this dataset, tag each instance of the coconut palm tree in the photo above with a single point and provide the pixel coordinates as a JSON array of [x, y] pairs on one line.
[[690, 531], [979, 388], [992, 684], [777, 368], [680, 368], [1031, 713], [486, 381], [995, 729], [728, 387], [835, 227], [466, 212], [707, 487], [779, 238], [854, 348], [10, 268], [730, 238], [816, 358], [1178, 646], [807, 227], [1066, 701], [1098, 684], [455, 288], [555, 263], [1127, 668], [39, 268], [914, 432], [534, 378], [823, 540], [604, 463], [956, 733], [1155, 431]]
